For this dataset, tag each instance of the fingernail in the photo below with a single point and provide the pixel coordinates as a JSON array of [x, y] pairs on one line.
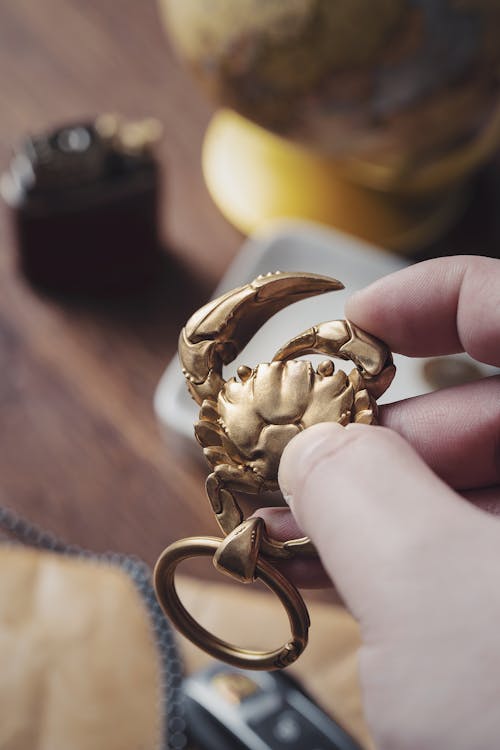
[[303, 452]]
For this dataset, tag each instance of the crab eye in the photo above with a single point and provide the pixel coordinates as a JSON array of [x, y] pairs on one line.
[[244, 372], [326, 368]]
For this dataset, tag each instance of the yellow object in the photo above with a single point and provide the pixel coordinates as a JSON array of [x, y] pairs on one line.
[[255, 176]]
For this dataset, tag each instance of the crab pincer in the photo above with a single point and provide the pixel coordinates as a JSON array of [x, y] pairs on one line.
[[217, 332], [344, 340]]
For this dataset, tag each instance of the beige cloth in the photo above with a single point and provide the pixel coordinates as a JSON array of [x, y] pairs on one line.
[[79, 668]]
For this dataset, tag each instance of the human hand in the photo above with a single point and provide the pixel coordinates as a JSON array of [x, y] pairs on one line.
[[414, 562]]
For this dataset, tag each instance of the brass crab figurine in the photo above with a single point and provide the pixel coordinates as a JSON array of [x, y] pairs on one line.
[[244, 424]]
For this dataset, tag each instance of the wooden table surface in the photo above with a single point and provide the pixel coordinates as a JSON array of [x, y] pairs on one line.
[[80, 449]]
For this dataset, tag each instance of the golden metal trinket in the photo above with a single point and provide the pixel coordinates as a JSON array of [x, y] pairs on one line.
[[244, 426]]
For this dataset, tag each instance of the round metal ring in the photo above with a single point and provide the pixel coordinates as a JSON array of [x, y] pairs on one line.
[[164, 575]]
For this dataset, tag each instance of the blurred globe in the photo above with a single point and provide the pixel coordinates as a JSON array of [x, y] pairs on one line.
[[403, 93]]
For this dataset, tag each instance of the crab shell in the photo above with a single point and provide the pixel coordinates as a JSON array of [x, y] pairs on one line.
[[253, 419]]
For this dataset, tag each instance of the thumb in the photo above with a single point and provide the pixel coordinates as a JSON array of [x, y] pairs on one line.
[[388, 531]]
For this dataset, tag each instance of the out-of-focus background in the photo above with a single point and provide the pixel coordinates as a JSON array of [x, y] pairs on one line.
[[80, 448]]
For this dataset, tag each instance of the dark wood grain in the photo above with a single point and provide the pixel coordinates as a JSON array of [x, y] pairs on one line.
[[80, 449]]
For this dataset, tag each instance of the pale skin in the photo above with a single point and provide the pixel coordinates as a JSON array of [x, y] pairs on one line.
[[406, 516]]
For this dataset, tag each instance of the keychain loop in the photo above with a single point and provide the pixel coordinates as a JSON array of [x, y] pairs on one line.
[[164, 575]]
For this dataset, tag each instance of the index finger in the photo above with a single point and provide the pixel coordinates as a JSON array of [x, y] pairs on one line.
[[440, 306]]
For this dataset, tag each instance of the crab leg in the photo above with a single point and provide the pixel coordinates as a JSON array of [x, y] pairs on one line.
[[342, 339], [229, 477], [216, 333], [221, 484]]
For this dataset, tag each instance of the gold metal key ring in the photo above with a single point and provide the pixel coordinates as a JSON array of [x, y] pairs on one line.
[[292, 601], [245, 424]]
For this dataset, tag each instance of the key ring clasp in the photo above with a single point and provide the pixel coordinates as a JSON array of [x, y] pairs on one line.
[[164, 582]]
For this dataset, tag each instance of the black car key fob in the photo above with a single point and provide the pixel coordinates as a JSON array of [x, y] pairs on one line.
[[234, 709]]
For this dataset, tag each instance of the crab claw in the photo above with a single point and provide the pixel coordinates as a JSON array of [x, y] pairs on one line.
[[342, 339], [217, 332]]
